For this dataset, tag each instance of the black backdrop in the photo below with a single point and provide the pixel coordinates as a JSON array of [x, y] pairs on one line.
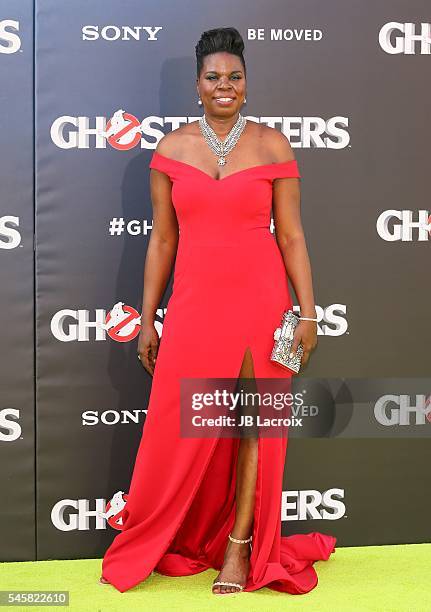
[[347, 82]]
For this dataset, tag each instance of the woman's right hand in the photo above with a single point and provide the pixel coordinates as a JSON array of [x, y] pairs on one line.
[[148, 346]]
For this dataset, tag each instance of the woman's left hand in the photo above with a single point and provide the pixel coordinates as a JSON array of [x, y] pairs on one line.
[[305, 332]]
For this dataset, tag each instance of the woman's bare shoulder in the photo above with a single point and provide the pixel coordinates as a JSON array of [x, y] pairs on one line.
[[170, 144], [277, 144]]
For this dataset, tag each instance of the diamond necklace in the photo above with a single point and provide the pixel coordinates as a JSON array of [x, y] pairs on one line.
[[222, 148]]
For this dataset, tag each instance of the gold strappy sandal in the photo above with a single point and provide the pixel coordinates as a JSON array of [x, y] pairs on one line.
[[240, 587]]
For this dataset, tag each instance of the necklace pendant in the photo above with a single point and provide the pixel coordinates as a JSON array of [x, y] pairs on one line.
[[218, 147]]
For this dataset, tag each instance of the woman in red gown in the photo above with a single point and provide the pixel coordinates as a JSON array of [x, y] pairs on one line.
[[214, 502]]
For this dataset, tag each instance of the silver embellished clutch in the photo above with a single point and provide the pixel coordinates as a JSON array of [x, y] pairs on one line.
[[283, 337]]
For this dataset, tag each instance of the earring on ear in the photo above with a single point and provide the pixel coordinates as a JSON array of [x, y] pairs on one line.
[[199, 101], [245, 100]]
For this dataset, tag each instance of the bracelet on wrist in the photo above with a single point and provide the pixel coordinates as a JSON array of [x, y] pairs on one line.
[[307, 318]]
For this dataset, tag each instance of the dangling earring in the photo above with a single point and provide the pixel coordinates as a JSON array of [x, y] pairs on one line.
[[245, 100], [199, 101]]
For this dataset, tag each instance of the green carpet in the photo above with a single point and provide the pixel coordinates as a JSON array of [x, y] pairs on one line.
[[375, 578]]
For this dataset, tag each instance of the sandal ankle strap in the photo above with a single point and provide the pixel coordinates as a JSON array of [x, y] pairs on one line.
[[240, 541], [234, 584]]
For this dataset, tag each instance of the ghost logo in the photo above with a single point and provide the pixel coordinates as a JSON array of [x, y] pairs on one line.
[[123, 131], [427, 410], [122, 323], [114, 511]]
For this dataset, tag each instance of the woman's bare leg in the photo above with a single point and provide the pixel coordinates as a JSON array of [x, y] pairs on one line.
[[236, 560]]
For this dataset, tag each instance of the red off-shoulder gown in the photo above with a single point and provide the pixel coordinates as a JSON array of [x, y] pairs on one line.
[[230, 289]]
